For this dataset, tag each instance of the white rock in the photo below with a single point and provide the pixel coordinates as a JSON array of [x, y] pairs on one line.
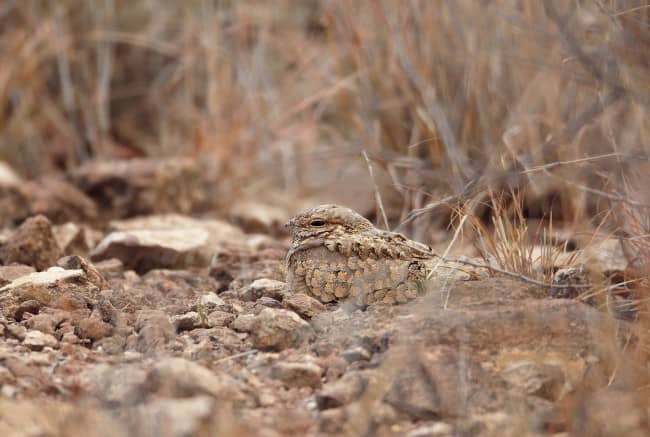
[[36, 340], [48, 277]]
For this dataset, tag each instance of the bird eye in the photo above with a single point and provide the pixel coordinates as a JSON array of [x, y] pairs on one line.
[[317, 223]]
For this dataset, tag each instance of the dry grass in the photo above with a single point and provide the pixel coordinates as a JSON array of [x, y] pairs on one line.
[[441, 94]]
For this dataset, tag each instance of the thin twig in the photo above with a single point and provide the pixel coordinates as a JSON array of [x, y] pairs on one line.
[[515, 275], [451, 243], [545, 167], [380, 204]]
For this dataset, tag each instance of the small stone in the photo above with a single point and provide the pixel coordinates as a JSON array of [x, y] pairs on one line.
[[174, 417], [276, 329], [256, 217], [71, 238], [155, 331], [36, 340], [33, 243], [356, 354], [178, 377], [243, 323], [269, 302], [93, 275], [211, 301], [545, 380], [263, 288], [8, 391], [332, 421], [16, 331], [342, 391], [324, 321], [12, 272], [93, 329], [110, 268], [46, 323], [438, 429], [298, 374], [56, 288], [166, 242], [220, 318], [305, 306], [113, 345], [187, 322]]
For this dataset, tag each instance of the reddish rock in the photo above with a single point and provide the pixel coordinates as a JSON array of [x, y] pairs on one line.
[[305, 306], [277, 329], [155, 331], [142, 186], [33, 243], [304, 374], [93, 329], [11, 272]]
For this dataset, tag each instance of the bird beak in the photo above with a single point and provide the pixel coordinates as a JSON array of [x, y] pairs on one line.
[[288, 224]]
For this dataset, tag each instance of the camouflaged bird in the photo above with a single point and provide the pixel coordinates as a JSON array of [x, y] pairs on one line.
[[336, 254]]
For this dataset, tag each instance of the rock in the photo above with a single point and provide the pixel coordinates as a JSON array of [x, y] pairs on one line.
[[145, 250], [438, 429], [173, 417], [59, 201], [93, 329], [609, 412], [56, 288], [36, 340], [211, 301], [220, 318], [8, 177], [243, 323], [16, 331], [255, 217], [342, 391], [277, 329], [263, 288], [426, 387], [268, 302], [188, 321], [305, 306], [45, 322], [332, 421], [545, 380], [14, 204], [167, 241], [116, 385], [93, 275], [52, 197], [236, 267], [71, 238], [11, 272], [33, 243], [356, 354], [110, 268], [155, 331], [304, 374], [325, 321], [111, 345], [43, 417], [606, 256], [142, 186], [178, 377]]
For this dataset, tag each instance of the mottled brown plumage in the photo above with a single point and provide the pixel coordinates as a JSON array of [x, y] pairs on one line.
[[337, 254]]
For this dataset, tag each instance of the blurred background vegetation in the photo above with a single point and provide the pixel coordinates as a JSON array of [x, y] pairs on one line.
[[448, 97]]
